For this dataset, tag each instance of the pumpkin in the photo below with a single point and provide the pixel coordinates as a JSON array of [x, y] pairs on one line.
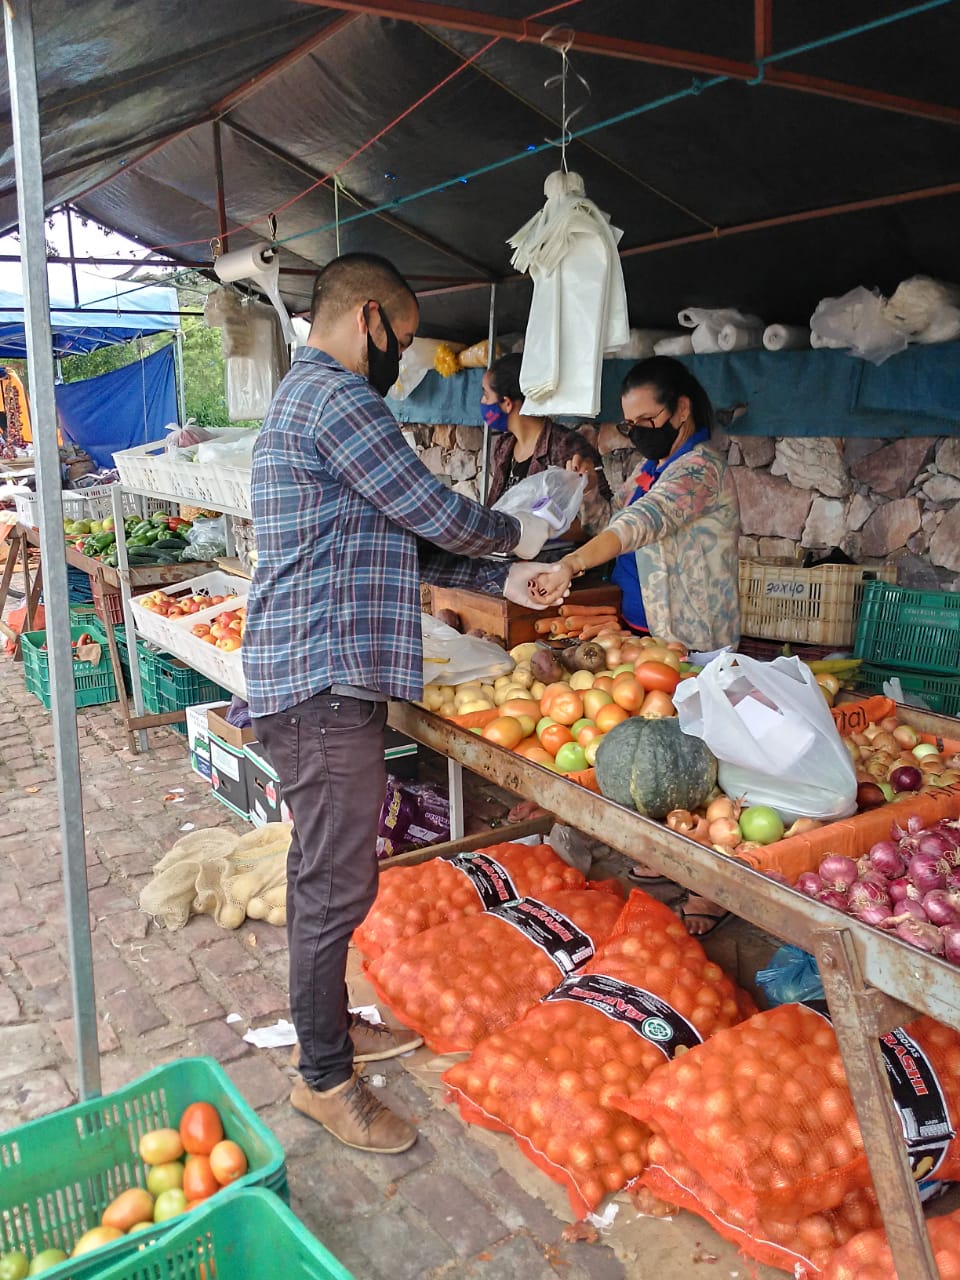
[[653, 767]]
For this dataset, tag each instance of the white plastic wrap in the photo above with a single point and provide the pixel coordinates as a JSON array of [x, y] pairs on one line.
[[737, 330], [924, 309], [451, 658], [237, 452], [252, 379], [555, 495], [857, 321]]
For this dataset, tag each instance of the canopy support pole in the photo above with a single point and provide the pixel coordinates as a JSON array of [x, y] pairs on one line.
[[491, 341], [181, 400], [25, 123]]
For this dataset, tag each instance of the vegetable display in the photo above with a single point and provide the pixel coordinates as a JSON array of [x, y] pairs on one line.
[[867, 1255], [159, 539], [653, 767]]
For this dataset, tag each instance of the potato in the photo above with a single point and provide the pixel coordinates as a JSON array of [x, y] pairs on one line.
[[478, 704], [521, 653], [522, 677], [433, 696], [581, 680], [537, 689], [501, 682], [448, 709], [487, 690]]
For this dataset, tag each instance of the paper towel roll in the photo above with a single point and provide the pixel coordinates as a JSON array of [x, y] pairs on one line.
[[681, 345], [786, 337], [261, 265], [739, 337]]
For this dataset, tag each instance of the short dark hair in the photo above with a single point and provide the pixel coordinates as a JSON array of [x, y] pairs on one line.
[[670, 380], [571, 443], [357, 278], [505, 377]]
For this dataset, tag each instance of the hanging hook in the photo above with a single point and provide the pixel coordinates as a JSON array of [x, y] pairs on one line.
[[272, 225], [216, 248], [562, 39]]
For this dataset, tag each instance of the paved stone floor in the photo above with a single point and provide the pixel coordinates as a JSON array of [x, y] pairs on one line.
[[461, 1203]]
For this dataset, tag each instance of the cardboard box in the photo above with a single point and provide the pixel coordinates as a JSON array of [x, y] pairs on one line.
[[228, 733], [228, 777], [265, 801], [198, 738]]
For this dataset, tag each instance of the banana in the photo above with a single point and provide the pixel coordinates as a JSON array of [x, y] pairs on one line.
[[833, 666]]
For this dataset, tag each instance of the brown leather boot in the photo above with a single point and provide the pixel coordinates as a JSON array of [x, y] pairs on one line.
[[356, 1116], [373, 1042]]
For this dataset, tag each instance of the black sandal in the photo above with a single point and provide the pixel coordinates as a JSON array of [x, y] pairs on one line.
[[718, 920]]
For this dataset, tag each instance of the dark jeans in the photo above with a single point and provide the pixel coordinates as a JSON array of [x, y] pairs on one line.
[[328, 754]]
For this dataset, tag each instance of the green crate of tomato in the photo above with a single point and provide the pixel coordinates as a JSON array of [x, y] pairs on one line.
[[93, 683], [249, 1233], [59, 1173]]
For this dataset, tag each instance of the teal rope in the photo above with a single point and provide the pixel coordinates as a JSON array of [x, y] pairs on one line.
[[853, 31]]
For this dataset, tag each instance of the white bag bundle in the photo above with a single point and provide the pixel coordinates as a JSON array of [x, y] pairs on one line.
[[771, 730], [786, 337], [555, 495], [924, 309], [857, 320], [724, 329]]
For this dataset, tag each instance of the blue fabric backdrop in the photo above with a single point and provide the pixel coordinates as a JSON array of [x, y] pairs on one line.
[[118, 410]]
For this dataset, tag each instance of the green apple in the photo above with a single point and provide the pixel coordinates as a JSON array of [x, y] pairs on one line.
[[571, 758], [46, 1259], [165, 1177], [583, 723]]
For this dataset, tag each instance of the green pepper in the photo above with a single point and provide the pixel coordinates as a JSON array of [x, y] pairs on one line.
[[137, 540]]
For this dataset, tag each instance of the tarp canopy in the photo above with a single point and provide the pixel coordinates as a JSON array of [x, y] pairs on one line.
[[752, 159], [103, 317]]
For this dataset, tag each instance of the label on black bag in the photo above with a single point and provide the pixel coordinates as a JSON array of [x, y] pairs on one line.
[[919, 1100], [640, 1010], [491, 881], [550, 930]]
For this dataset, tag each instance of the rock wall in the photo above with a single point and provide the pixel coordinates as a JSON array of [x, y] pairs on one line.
[[878, 500]]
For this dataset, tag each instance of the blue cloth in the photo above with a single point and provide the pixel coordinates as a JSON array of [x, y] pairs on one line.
[[119, 410], [786, 393], [625, 568], [339, 501]]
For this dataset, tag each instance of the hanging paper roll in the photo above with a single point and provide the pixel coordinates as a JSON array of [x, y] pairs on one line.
[[260, 264]]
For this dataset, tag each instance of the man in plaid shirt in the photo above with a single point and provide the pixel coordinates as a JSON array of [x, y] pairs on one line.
[[343, 513]]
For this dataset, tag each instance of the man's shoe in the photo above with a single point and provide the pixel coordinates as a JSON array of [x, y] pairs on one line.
[[355, 1116], [373, 1042]]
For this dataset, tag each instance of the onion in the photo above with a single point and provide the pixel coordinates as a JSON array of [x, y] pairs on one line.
[[908, 907], [776, 875], [809, 882], [831, 898], [873, 913], [937, 843], [926, 871], [725, 831], [906, 777], [951, 942], [865, 891], [906, 735], [914, 826], [940, 908], [925, 936], [885, 858], [723, 807], [869, 796], [838, 873], [801, 826], [953, 762]]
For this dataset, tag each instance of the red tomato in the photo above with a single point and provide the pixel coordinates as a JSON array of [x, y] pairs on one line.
[[200, 1128], [198, 1179], [227, 1162], [554, 737], [657, 675]]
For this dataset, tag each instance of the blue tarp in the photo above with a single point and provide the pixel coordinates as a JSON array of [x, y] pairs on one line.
[[76, 331], [786, 393], [118, 410]]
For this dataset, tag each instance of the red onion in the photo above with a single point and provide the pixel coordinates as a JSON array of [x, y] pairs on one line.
[[925, 936], [885, 858], [831, 898], [914, 827], [908, 908], [869, 796], [837, 872], [950, 934], [906, 777], [902, 888], [953, 882], [926, 871], [866, 892], [874, 913], [937, 843], [780, 879], [940, 907], [809, 883]]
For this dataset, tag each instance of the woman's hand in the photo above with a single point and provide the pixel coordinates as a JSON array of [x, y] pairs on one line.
[[553, 584], [584, 467]]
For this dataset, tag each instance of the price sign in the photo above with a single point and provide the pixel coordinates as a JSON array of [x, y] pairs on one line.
[[787, 590]]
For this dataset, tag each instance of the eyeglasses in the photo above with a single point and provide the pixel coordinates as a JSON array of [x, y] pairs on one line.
[[628, 424]]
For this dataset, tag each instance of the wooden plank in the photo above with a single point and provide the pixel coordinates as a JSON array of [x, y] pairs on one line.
[[481, 840]]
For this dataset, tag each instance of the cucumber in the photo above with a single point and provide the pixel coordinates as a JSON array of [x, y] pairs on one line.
[[168, 544]]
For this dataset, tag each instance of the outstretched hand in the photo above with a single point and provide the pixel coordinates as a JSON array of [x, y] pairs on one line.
[[584, 467], [521, 588], [552, 583]]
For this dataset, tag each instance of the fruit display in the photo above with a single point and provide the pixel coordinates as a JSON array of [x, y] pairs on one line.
[[890, 760], [226, 629], [169, 605], [159, 539]]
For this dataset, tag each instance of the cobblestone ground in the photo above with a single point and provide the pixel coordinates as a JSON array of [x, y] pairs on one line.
[[446, 1208]]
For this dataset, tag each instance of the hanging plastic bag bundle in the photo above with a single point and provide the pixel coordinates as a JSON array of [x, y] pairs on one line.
[[771, 730], [551, 1080]]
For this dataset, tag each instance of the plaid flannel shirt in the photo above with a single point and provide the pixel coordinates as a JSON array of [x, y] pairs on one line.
[[339, 502]]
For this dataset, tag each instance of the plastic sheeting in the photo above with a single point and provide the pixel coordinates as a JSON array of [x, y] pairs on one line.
[[76, 332], [118, 410]]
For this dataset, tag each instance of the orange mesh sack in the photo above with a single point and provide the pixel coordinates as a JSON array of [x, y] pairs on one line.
[[412, 899], [550, 1079], [867, 1256], [777, 1134], [464, 980], [802, 1247]]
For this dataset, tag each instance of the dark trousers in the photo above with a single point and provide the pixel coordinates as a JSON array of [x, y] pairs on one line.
[[328, 754]]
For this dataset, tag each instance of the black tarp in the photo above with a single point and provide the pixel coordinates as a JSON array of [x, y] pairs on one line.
[[116, 78]]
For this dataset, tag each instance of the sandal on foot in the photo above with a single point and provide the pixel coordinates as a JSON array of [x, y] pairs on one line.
[[717, 919], [638, 877]]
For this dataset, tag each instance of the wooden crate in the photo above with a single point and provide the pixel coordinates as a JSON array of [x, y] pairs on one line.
[[511, 622]]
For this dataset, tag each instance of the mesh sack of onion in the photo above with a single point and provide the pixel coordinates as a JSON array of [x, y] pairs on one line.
[[412, 899], [462, 981], [550, 1079], [867, 1255]]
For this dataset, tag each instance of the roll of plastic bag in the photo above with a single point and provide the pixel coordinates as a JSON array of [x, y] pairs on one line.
[[708, 324], [740, 337], [786, 337], [681, 345]]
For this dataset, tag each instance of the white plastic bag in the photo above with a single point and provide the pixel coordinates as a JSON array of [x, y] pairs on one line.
[[554, 495], [857, 320], [237, 452], [771, 730], [450, 658]]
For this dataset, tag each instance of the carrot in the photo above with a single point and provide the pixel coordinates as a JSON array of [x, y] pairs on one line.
[[572, 610], [557, 627], [542, 626], [592, 630], [574, 623]]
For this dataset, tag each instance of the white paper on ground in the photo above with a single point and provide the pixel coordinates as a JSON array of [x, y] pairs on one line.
[[603, 1221], [278, 1036], [370, 1013]]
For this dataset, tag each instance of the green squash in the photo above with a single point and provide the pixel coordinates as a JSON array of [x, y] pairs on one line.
[[651, 766]]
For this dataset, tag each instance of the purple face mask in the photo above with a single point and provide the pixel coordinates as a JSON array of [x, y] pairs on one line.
[[494, 417]]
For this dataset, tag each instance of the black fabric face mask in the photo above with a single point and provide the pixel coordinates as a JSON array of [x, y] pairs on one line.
[[655, 443], [382, 366]]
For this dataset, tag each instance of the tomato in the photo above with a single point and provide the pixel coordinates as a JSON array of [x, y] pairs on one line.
[[554, 737], [94, 1238], [604, 684], [535, 752], [200, 1127], [627, 693], [587, 735], [657, 706], [761, 823], [227, 1162], [566, 706], [657, 675], [505, 731], [129, 1208], [548, 695], [198, 1179], [521, 707], [169, 1204], [160, 1146]]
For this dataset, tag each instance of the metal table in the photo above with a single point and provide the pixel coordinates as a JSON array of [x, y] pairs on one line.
[[873, 982]]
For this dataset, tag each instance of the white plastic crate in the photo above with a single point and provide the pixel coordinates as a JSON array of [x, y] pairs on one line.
[[170, 632], [154, 468], [28, 509]]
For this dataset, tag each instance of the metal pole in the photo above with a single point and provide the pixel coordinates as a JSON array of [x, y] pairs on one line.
[[73, 264], [491, 342], [181, 395], [221, 196], [25, 113]]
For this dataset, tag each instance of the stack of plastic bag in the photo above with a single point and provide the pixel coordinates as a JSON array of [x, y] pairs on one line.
[[579, 307], [857, 321], [925, 310], [720, 330]]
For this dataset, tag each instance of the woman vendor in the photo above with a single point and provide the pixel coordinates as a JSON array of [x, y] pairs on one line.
[[676, 540], [526, 445]]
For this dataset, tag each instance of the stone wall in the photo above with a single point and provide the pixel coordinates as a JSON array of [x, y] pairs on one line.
[[878, 500]]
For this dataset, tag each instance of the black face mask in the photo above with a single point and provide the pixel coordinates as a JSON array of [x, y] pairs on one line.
[[655, 443], [382, 366]]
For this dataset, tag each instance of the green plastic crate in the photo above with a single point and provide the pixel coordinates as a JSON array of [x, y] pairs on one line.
[[912, 630], [243, 1235], [938, 693], [59, 1173], [92, 685], [170, 685]]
